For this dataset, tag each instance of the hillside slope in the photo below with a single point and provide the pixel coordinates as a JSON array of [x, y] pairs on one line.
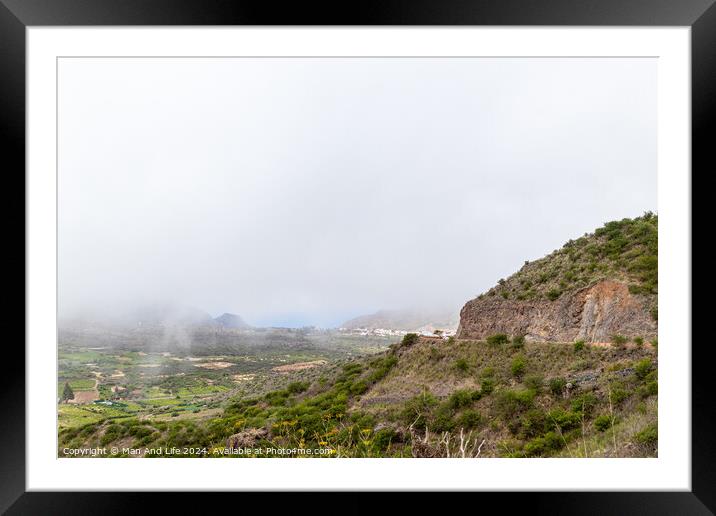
[[599, 286], [506, 387]]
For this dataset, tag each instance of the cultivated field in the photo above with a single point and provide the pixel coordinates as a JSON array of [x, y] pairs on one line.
[[111, 382]]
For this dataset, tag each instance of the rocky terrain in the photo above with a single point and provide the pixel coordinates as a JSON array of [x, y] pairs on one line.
[[601, 287], [594, 314]]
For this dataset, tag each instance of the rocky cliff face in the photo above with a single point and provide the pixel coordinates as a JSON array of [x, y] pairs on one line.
[[593, 314]]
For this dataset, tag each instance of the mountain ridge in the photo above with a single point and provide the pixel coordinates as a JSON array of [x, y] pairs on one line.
[[599, 287], [404, 320]]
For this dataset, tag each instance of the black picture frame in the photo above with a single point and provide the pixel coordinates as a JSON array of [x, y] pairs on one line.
[[17, 15]]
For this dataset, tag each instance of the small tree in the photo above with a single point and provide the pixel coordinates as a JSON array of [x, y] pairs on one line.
[[67, 392]]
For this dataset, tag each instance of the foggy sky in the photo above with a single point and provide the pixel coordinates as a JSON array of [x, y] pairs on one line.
[[308, 191]]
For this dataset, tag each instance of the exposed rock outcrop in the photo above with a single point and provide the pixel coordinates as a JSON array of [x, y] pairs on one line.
[[592, 314], [246, 439]]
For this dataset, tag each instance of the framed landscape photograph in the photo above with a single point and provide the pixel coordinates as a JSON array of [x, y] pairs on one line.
[[441, 249]]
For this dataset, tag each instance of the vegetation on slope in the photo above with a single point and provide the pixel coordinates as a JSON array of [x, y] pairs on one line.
[[510, 399], [624, 249]]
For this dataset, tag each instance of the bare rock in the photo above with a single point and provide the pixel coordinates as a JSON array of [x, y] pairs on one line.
[[592, 314], [246, 439]]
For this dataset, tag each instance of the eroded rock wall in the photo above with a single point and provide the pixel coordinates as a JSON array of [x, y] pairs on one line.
[[593, 314]]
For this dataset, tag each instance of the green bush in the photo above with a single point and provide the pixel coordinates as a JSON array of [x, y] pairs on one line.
[[603, 422], [409, 339], [544, 445], [498, 339], [578, 346], [619, 340], [649, 436], [358, 388], [487, 386], [417, 409], [642, 368], [511, 402], [553, 294], [381, 368], [584, 403], [469, 419], [462, 365], [442, 420], [533, 423], [518, 366], [383, 438], [297, 387], [565, 420], [556, 386], [460, 398], [649, 389], [639, 341]]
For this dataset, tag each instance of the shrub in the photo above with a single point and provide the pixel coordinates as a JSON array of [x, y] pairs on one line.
[[649, 389], [469, 419], [487, 386], [642, 368], [498, 339], [297, 387], [619, 340], [584, 403], [518, 366], [618, 393], [442, 420], [358, 388], [603, 422], [556, 386], [649, 436], [541, 446], [532, 423], [518, 341], [417, 409], [510, 403], [578, 346], [383, 438], [564, 420], [462, 365], [352, 368], [382, 368], [639, 341], [409, 339], [459, 399], [534, 382], [553, 294]]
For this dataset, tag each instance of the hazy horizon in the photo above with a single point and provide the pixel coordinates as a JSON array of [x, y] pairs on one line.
[[296, 191]]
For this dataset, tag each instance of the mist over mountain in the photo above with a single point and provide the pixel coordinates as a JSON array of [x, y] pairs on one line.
[[407, 320], [159, 315], [233, 321]]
